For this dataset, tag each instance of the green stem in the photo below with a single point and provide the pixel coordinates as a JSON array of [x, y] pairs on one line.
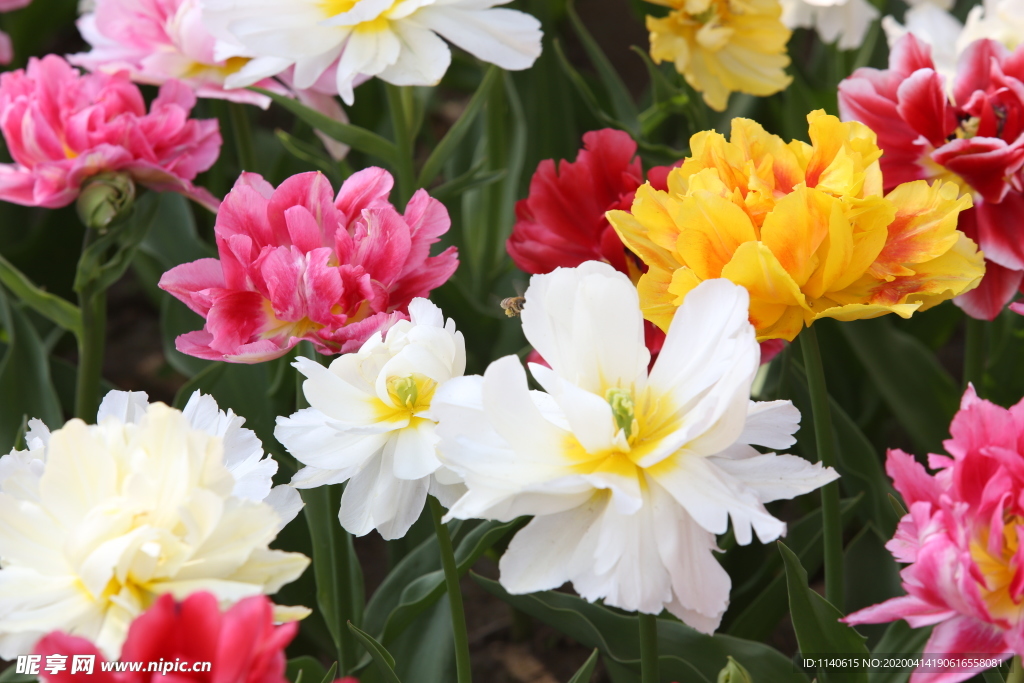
[[648, 648], [1016, 671], [242, 133], [451, 580], [974, 352], [833, 530], [91, 343], [400, 104]]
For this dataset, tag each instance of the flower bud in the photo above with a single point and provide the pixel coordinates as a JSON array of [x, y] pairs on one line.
[[734, 673], [105, 198]]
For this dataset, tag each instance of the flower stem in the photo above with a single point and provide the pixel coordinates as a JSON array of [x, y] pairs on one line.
[[242, 132], [1016, 671], [648, 648], [833, 530], [91, 343], [400, 103], [451, 579], [974, 352]]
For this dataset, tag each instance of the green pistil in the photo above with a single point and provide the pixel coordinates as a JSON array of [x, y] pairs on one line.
[[405, 391], [621, 402]]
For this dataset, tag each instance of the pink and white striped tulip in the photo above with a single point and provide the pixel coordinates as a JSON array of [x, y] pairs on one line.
[[961, 539], [296, 264], [62, 127]]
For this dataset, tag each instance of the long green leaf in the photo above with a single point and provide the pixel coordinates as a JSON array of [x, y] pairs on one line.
[[26, 388], [585, 672], [338, 578], [450, 142], [899, 639], [353, 136], [381, 657], [54, 308], [585, 92], [817, 625], [621, 99], [919, 392], [859, 461], [764, 599], [685, 654]]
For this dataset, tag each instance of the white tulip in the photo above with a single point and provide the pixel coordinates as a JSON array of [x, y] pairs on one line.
[[370, 423], [101, 519], [345, 42], [628, 475]]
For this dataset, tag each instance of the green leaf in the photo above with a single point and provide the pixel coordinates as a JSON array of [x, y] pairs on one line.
[[381, 657], [339, 579], [859, 461], [816, 622], [763, 594], [331, 674], [686, 655], [585, 92], [304, 668], [9, 675], [54, 308], [353, 136], [899, 639], [419, 593], [450, 142], [621, 100], [897, 506], [470, 180], [587, 670], [26, 388], [309, 153], [919, 392]]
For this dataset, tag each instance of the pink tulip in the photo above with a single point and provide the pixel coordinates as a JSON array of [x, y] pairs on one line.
[[962, 540], [242, 645], [62, 127], [296, 265]]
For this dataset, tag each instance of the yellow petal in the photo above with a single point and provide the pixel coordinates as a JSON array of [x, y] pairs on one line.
[[648, 230], [713, 228], [845, 157], [923, 229], [772, 290], [795, 229], [657, 303]]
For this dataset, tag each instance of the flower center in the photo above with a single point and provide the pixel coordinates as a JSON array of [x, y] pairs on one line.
[[412, 392], [623, 410], [968, 128], [998, 568]]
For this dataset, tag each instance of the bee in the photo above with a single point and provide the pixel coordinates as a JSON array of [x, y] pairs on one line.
[[513, 305]]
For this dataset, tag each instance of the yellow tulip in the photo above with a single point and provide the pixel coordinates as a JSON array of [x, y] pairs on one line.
[[721, 46], [805, 228]]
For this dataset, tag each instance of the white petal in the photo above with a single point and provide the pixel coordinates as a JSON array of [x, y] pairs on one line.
[[123, 406], [510, 39], [700, 585], [311, 477], [712, 496], [416, 450], [423, 60], [586, 324], [777, 477], [317, 441], [771, 424], [590, 416], [547, 552], [286, 502]]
